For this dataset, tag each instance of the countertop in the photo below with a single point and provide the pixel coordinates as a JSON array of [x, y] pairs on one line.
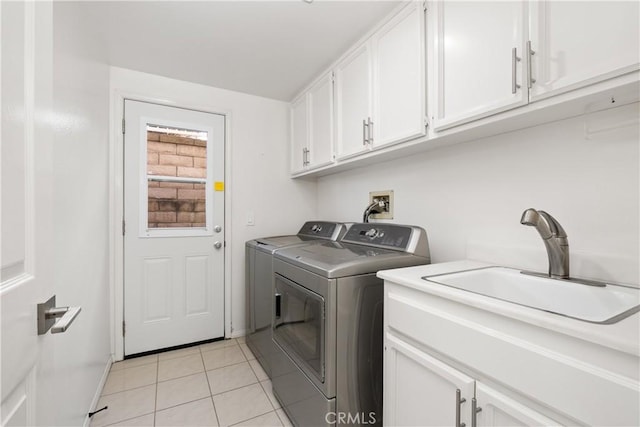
[[622, 336]]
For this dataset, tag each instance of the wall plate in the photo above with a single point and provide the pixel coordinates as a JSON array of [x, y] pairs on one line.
[[387, 195]]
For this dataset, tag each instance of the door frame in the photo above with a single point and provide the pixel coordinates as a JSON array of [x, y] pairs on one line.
[[116, 207]]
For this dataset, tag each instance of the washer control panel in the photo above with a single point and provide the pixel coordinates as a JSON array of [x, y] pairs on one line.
[[389, 236]]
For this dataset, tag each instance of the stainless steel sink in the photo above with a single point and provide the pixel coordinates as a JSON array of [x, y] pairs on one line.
[[597, 304]]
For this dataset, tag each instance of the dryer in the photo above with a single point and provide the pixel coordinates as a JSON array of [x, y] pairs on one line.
[[259, 280], [327, 322]]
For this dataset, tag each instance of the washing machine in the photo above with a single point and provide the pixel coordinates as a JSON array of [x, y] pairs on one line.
[[259, 280]]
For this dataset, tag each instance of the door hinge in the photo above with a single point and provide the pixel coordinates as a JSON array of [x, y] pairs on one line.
[[123, 126], [123, 227], [333, 77], [124, 328], [426, 122], [424, 6]]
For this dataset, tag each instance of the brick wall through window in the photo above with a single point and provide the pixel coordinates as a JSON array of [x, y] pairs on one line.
[[176, 204]]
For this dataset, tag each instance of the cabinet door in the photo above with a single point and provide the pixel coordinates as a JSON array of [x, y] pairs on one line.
[[420, 390], [353, 102], [579, 43], [496, 409], [299, 134], [321, 122], [399, 78], [479, 60]]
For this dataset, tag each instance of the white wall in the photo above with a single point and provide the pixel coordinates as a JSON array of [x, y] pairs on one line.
[[469, 197], [257, 170], [80, 216]]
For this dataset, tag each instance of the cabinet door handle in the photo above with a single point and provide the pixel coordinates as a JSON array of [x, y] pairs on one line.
[[304, 156], [459, 402], [514, 69], [370, 129], [474, 412], [365, 127], [530, 53]]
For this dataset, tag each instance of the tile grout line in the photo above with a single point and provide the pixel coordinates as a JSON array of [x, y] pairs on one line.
[[155, 402], [253, 418], [213, 404]]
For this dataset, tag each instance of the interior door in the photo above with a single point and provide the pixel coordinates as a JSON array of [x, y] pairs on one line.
[[27, 249], [173, 226]]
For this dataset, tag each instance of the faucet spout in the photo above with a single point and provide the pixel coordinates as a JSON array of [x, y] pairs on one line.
[[554, 238]]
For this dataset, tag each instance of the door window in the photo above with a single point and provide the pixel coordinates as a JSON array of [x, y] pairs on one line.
[[176, 182]]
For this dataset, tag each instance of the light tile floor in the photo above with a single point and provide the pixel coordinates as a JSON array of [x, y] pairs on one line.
[[215, 384]]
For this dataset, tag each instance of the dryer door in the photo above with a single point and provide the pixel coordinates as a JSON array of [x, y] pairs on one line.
[[299, 327]]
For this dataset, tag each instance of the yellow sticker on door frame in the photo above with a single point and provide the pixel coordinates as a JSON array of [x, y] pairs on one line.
[[218, 186]]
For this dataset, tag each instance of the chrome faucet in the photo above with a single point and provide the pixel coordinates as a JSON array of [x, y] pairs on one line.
[[555, 240]]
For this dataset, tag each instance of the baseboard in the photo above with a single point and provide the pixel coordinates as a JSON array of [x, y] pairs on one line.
[[239, 333], [98, 392]]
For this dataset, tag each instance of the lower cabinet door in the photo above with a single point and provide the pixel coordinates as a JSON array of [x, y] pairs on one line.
[[496, 409], [422, 391]]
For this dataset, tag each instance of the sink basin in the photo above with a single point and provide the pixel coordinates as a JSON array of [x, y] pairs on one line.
[[607, 304]]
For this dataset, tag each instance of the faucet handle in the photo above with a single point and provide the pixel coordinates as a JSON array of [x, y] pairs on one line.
[[554, 226]]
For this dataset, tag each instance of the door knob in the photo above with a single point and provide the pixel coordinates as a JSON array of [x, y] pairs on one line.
[[217, 245], [217, 229]]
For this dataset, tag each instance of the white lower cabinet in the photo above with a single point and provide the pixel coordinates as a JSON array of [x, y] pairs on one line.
[[450, 363], [420, 390]]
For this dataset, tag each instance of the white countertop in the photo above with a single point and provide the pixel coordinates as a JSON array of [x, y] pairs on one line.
[[623, 335]]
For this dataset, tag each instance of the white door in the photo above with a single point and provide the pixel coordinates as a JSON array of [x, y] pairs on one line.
[[579, 43], [479, 59], [173, 225], [353, 102], [321, 122], [422, 391], [28, 360], [399, 78]]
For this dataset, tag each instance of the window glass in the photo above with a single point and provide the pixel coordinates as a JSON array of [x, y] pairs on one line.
[[176, 177]]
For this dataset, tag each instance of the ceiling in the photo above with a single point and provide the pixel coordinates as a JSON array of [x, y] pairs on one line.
[[267, 48]]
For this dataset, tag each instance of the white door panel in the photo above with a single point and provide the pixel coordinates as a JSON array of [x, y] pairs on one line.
[[299, 134], [321, 122], [399, 78], [474, 60], [353, 101], [578, 43], [174, 212], [26, 219]]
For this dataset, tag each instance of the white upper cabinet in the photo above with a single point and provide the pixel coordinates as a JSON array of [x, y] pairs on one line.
[[490, 57], [399, 78], [321, 122], [478, 61], [380, 86], [312, 127], [299, 134], [579, 43], [353, 102]]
